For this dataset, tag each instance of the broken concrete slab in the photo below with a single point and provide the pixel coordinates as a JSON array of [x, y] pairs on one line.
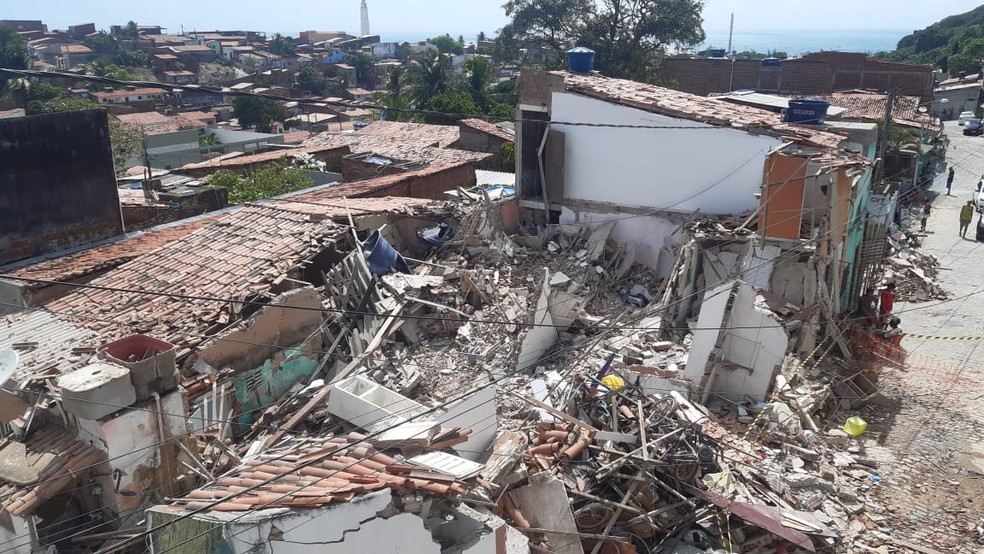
[[545, 505]]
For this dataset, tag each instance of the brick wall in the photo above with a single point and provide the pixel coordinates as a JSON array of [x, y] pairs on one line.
[[138, 217], [818, 73]]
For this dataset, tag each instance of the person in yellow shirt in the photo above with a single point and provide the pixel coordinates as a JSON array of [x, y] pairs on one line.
[[966, 215]]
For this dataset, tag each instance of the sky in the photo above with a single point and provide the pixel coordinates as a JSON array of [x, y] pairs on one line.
[[462, 16]]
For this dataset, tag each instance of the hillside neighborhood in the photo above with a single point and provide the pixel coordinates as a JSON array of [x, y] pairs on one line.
[[321, 292]]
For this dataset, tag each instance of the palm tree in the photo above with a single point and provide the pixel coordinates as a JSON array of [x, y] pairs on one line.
[[428, 76]]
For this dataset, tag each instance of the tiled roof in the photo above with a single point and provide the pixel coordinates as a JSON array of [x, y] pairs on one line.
[[240, 255], [237, 256], [74, 49], [422, 134], [406, 149], [154, 123], [239, 160], [206, 117], [673, 103], [45, 343], [135, 92], [348, 470], [296, 137], [60, 452], [108, 256], [871, 105], [485, 127]]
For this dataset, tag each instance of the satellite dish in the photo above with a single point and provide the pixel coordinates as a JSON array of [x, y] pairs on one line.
[[8, 364]]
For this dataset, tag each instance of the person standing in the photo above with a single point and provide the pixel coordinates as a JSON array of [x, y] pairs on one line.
[[966, 215], [867, 310], [923, 217], [949, 181], [886, 303]]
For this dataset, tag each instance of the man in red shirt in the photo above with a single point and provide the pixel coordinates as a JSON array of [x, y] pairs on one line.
[[887, 303]]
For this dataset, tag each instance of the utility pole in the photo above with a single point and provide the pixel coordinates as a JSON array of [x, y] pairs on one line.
[[883, 142]]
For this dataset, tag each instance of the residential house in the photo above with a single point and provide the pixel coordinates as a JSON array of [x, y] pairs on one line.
[[359, 94], [631, 160], [956, 95], [384, 50], [165, 62], [314, 37], [66, 56], [131, 98], [179, 77], [81, 30], [25, 25], [346, 71], [478, 135]]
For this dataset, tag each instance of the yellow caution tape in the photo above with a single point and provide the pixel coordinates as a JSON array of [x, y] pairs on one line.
[[937, 337]]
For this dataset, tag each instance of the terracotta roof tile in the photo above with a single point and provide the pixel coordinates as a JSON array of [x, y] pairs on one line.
[[488, 128], [440, 136], [406, 148], [107, 256], [682, 105], [69, 457], [346, 470]]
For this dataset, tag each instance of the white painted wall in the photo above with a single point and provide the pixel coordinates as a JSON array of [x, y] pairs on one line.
[[478, 413], [657, 168], [645, 237], [17, 538], [709, 321], [130, 442], [756, 342]]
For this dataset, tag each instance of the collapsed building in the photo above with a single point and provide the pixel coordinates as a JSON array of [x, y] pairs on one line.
[[598, 359]]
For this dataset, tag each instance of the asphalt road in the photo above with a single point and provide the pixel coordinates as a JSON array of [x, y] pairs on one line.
[[961, 260]]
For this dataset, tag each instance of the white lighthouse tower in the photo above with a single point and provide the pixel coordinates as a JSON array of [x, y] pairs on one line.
[[365, 18]]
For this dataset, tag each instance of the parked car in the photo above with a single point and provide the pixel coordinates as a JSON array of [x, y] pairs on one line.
[[965, 117], [980, 230], [973, 127], [979, 196]]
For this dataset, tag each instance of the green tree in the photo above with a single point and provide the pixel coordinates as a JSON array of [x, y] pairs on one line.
[[103, 43], [131, 58], [259, 113], [452, 106], [481, 37], [130, 31], [266, 181], [13, 53], [447, 45], [479, 74], [429, 76], [310, 78], [281, 45], [362, 63], [629, 36]]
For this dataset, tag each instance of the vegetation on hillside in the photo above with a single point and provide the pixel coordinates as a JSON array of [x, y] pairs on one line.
[[952, 44]]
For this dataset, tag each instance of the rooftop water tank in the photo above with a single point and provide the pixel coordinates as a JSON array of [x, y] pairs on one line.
[[580, 60], [717, 52], [770, 62], [807, 110]]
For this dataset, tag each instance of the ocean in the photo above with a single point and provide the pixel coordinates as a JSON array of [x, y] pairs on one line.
[[793, 42]]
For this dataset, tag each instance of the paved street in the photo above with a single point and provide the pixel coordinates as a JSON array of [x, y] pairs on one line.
[[926, 431]]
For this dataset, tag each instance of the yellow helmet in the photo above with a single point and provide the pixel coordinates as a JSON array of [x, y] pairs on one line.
[[613, 382]]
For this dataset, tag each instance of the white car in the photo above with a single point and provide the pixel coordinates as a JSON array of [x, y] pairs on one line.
[[965, 117]]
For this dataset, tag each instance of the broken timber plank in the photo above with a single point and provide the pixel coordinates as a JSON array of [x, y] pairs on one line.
[[556, 413]]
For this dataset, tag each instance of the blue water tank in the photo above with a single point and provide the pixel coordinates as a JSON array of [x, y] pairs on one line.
[[717, 52], [580, 60], [807, 110], [770, 62]]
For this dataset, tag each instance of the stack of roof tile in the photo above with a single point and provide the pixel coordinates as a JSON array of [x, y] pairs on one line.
[[345, 469]]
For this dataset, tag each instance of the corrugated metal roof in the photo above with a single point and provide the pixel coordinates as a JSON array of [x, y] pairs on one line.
[[45, 343], [485, 178]]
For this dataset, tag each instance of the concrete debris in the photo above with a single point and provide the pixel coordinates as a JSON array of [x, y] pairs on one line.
[[913, 272]]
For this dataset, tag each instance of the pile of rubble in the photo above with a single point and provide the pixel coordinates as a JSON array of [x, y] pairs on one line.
[[913, 272]]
